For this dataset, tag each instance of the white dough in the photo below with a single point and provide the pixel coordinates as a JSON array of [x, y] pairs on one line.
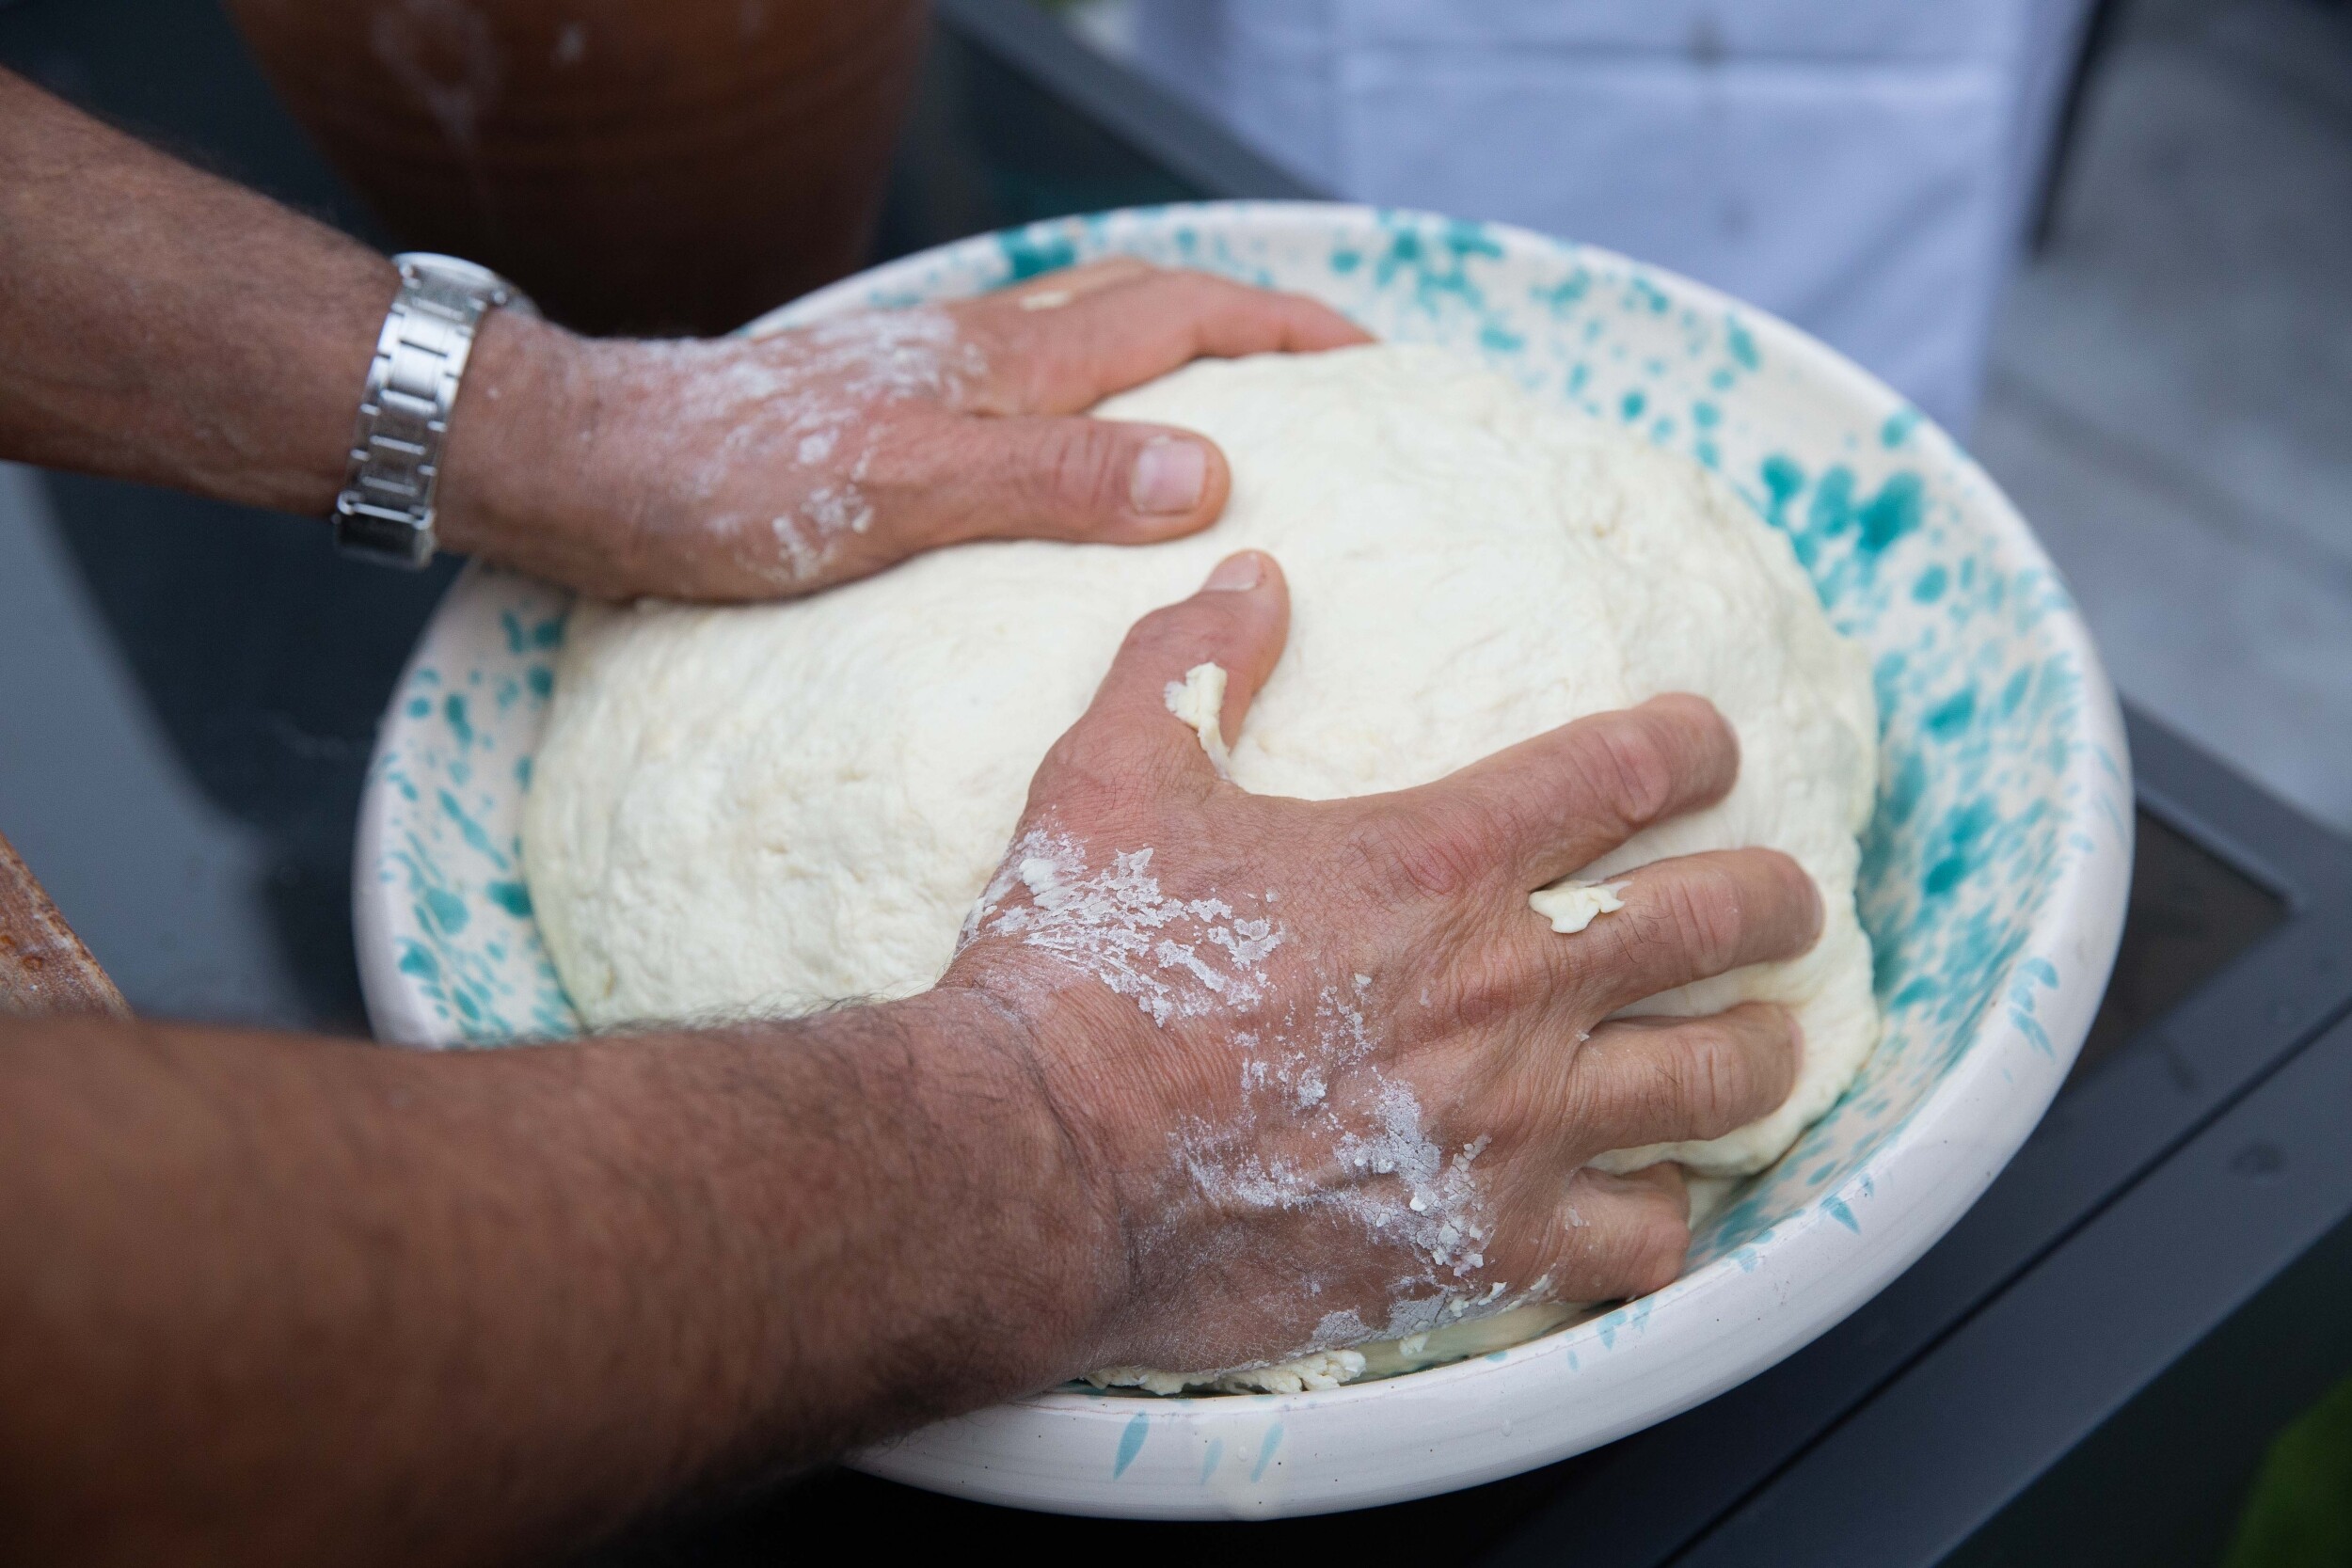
[[760, 809], [1199, 700], [1572, 905]]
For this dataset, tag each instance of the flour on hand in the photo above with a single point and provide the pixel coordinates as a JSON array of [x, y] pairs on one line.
[[823, 406], [1176, 958], [771, 807]]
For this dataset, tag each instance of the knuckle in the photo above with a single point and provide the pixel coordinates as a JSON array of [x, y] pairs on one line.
[[1481, 991], [1651, 1091], [1102, 761], [1106, 785], [1636, 770], [1641, 943], [1492, 983], [1702, 911], [1710, 1087], [1111, 772], [1518, 1115], [1659, 1241], [1084, 769], [1189, 290], [1079, 463], [1174, 637]]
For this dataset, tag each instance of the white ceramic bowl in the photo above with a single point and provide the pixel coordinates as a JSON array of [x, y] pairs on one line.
[[1993, 885]]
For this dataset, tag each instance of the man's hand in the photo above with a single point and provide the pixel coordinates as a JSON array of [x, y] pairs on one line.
[[751, 469], [1218, 1077], [164, 326], [1215, 1079], [1334, 1080]]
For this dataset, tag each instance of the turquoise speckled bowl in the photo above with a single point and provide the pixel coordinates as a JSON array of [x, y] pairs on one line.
[[1993, 875]]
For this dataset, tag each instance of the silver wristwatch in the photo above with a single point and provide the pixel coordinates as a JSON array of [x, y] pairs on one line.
[[385, 512]]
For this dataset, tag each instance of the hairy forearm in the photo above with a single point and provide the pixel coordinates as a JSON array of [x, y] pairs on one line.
[[160, 323], [266, 1297]]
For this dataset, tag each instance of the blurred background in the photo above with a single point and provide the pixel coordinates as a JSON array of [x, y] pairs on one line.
[[2107, 243]]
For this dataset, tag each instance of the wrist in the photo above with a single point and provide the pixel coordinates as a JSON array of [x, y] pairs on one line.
[[512, 487], [1002, 1114], [1086, 1057]]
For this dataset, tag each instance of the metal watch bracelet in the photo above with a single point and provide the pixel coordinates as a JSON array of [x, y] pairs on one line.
[[385, 512]]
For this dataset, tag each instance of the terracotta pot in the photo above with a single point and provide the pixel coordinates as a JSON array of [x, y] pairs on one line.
[[639, 165]]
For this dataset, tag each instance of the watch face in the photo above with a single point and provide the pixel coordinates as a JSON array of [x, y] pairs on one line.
[[453, 269], [456, 272]]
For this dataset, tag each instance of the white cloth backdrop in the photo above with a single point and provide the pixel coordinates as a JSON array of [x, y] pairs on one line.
[[1862, 167]]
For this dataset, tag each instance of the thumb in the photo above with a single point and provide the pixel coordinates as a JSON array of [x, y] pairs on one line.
[[1099, 480], [1237, 622]]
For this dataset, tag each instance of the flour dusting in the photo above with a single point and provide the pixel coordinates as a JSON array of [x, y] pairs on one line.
[[1175, 958], [1405, 1192], [824, 406]]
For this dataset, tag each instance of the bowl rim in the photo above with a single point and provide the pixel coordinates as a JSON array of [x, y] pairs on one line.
[[1808, 1275]]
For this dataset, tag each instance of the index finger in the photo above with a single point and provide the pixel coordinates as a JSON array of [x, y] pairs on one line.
[[1066, 341], [1555, 804]]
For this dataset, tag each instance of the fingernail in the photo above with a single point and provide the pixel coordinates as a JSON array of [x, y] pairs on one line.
[[1169, 474], [1235, 574]]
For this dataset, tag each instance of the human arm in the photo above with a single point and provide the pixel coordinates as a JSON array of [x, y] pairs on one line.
[[162, 324], [269, 1298], [264, 1297]]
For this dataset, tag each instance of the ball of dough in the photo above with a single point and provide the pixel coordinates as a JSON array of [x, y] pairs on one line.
[[769, 808]]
